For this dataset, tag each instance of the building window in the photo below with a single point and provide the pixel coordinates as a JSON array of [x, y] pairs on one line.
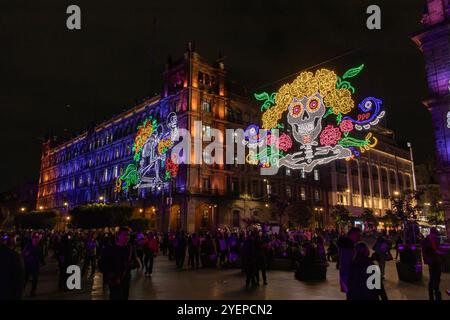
[[303, 193], [255, 190], [207, 157], [234, 186], [269, 189], [316, 195], [206, 106], [236, 218], [106, 175], [206, 131], [116, 171], [206, 184], [302, 173], [230, 114], [288, 192], [316, 175], [205, 218]]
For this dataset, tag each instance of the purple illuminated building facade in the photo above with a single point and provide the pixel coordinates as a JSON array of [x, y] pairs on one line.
[[434, 42], [201, 196]]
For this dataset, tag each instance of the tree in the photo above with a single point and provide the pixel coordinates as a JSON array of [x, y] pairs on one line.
[[139, 224], [390, 219], [299, 214], [281, 205], [436, 217], [36, 220], [341, 215], [100, 215], [369, 218]]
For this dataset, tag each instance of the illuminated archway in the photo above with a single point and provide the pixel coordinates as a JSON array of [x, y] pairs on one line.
[[175, 218], [203, 217]]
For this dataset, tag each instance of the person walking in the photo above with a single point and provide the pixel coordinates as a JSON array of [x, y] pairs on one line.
[[90, 255], [381, 253], [358, 277], [432, 256], [222, 249], [261, 259], [194, 251], [346, 248], [117, 262], [398, 242], [150, 252], [11, 271], [180, 245], [249, 260], [33, 257]]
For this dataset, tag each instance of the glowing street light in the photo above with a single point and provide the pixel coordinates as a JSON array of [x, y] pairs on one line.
[[141, 210], [41, 208], [101, 198], [396, 193], [22, 209], [68, 218], [267, 205]]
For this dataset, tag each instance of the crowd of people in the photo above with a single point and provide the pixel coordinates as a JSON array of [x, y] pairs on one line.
[[116, 254]]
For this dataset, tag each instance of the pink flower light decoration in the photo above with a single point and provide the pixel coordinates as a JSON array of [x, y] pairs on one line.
[[346, 126], [330, 135], [271, 139], [284, 142]]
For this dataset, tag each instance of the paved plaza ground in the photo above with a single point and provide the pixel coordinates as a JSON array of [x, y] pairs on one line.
[[168, 283]]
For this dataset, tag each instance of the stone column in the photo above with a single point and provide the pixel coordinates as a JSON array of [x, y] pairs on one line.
[[388, 176], [349, 184], [380, 187], [333, 185], [369, 171], [360, 184]]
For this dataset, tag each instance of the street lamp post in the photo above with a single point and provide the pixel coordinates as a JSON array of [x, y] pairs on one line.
[[412, 166]]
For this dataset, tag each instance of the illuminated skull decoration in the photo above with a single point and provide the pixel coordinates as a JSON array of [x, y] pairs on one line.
[[305, 117]]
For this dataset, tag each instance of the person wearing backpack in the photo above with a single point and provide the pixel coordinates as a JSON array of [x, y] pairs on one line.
[[432, 256]]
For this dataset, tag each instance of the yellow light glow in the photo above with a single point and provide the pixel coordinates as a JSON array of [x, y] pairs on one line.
[[307, 84]]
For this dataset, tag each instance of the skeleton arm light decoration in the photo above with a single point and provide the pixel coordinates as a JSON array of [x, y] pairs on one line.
[[309, 100], [151, 144]]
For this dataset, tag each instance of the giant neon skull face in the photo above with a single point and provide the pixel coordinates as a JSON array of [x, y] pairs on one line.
[[305, 117]]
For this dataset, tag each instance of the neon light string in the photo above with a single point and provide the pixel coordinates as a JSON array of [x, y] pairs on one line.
[[369, 113], [268, 99], [130, 177], [350, 73], [363, 145], [323, 81]]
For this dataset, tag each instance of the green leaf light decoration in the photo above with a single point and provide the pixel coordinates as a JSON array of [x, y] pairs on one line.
[[350, 73], [269, 100]]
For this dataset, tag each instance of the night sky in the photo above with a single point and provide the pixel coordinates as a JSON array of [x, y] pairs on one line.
[[58, 82]]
